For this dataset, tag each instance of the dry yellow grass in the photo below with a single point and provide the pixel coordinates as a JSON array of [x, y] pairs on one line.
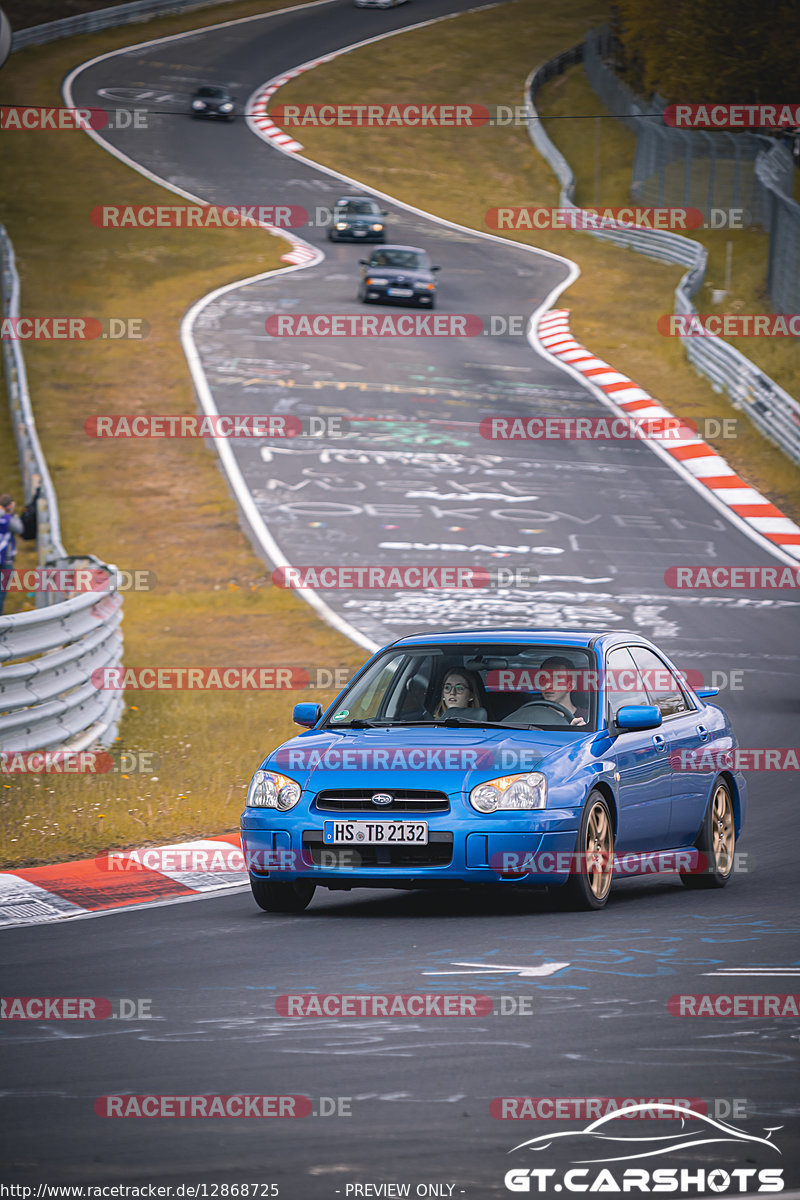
[[159, 505]]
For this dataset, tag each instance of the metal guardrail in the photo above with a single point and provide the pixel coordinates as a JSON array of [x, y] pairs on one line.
[[104, 18], [769, 407], [29, 452], [706, 169], [47, 656]]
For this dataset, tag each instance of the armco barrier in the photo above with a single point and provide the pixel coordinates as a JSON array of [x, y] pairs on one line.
[[47, 655], [29, 452], [47, 698], [104, 18], [773, 410]]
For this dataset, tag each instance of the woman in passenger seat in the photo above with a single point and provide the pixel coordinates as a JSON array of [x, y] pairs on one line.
[[461, 689]]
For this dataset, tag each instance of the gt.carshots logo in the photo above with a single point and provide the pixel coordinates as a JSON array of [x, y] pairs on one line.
[[590, 1146]]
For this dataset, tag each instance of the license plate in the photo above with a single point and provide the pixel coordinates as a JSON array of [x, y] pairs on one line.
[[360, 232], [375, 833], [399, 291]]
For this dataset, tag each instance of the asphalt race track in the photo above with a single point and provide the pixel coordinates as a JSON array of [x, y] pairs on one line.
[[600, 523]]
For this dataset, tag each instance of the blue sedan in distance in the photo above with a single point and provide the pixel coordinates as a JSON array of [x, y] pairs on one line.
[[510, 757]]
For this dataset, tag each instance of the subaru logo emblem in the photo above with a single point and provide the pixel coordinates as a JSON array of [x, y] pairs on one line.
[[382, 798]]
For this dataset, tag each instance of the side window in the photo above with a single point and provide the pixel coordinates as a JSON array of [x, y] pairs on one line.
[[623, 682], [369, 705], [662, 684]]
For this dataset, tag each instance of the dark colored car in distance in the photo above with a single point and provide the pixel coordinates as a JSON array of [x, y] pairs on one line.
[[357, 218], [398, 273], [213, 101]]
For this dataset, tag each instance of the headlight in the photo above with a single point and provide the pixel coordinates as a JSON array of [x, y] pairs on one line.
[[376, 228], [198, 104], [268, 789], [425, 287], [510, 791], [226, 107], [376, 280], [341, 224]]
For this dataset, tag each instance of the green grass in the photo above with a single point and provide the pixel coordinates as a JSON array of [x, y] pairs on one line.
[[158, 505]]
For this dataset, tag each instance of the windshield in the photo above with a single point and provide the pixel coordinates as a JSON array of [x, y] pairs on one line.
[[411, 260], [357, 208], [216, 93], [518, 686]]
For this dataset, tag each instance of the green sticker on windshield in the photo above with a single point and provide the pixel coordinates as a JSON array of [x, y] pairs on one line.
[[341, 714]]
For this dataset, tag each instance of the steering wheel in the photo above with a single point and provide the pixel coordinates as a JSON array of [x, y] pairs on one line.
[[564, 712]]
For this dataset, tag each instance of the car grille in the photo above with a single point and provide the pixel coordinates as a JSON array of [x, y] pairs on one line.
[[437, 853], [404, 800]]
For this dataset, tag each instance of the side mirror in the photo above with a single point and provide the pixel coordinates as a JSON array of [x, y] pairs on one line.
[[436, 268], [705, 692], [384, 214], [636, 716], [306, 715], [363, 262]]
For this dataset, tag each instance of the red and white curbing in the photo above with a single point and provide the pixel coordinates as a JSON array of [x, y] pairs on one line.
[[41, 895], [694, 455], [257, 117], [265, 128]]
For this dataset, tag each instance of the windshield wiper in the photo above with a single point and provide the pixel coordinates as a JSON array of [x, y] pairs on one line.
[[357, 724]]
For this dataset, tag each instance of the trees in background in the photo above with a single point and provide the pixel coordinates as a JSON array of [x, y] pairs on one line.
[[721, 51]]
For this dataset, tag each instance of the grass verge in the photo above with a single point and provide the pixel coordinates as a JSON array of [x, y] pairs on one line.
[[484, 57], [159, 505], [601, 152]]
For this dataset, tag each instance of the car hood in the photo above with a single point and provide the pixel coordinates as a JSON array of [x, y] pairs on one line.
[[449, 759]]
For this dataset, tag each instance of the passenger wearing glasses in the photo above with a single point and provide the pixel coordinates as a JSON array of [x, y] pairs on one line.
[[461, 689]]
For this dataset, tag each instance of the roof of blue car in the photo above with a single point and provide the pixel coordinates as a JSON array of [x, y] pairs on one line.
[[572, 637]]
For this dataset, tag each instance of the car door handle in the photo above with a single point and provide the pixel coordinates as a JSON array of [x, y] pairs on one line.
[[659, 741], [702, 733]]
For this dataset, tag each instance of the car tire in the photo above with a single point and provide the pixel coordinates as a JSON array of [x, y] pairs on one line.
[[585, 890], [716, 842], [291, 897]]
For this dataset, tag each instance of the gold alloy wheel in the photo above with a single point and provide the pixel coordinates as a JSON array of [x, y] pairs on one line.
[[722, 836], [599, 851]]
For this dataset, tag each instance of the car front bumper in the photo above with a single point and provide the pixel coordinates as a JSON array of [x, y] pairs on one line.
[[381, 294], [459, 851]]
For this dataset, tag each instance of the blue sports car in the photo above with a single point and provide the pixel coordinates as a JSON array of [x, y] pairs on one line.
[[510, 757]]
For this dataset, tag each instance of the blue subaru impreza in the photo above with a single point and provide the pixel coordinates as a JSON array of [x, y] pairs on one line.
[[510, 756]]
